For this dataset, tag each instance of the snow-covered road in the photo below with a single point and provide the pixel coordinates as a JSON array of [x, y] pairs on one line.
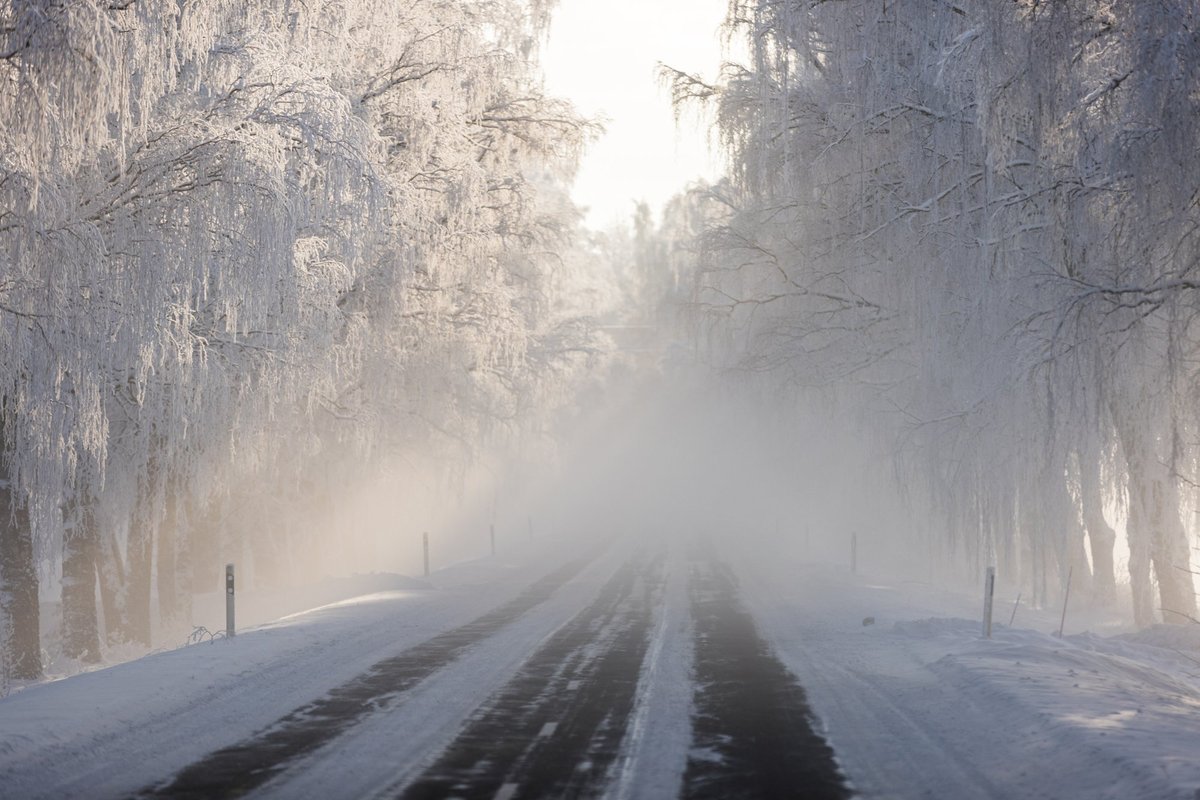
[[623, 671], [558, 722]]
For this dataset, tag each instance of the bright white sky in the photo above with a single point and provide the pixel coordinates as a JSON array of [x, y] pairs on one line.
[[602, 55]]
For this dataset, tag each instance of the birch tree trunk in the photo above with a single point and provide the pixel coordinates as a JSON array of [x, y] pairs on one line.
[[185, 572], [81, 629], [1156, 534], [1073, 558], [111, 569], [1169, 550], [166, 556], [1101, 537], [20, 618], [139, 566]]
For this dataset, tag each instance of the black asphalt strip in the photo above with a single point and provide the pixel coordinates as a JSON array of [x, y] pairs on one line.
[[752, 728]]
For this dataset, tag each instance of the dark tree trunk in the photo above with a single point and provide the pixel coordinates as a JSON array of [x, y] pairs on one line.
[[165, 568], [139, 558], [81, 632], [22, 649], [1139, 560], [111, 569], [138, 574], [185, 578]]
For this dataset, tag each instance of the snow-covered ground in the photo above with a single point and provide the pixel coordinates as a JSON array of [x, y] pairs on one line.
[[919, 704], [915, 705], [110, 732]]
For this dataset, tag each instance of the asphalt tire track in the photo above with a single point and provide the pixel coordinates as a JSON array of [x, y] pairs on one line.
[[240, 768], [753, 731], [556, 729]]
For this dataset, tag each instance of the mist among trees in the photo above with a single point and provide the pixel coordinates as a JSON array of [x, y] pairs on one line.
[[252, 254], [255, 255], [971, 230]]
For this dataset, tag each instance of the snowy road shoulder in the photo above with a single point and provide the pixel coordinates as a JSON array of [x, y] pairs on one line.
[[1122, 717], [641, 673], [919, 706], [113, 731]]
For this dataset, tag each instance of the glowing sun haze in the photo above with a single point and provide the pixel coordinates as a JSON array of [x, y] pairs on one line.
[[603, 56]]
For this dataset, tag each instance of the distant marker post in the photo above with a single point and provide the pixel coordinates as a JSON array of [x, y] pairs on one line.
[[425, 543], [230, 631], [854, 553], [493, 532], [989, 593]]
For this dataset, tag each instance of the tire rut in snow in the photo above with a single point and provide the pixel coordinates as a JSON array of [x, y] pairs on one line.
[[235, 770], [752, 728], [555, 730]]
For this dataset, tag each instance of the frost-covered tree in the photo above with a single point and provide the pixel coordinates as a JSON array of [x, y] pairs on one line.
[[956, 219], [244, 244]]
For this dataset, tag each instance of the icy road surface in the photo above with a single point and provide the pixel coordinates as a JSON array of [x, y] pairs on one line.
[[557, 727], [621, 672]]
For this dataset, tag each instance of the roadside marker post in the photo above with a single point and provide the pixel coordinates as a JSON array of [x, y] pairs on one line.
[[425, 542], [493, 531], [1013, 616], [854, 553], [989, 592], [230, 631]]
